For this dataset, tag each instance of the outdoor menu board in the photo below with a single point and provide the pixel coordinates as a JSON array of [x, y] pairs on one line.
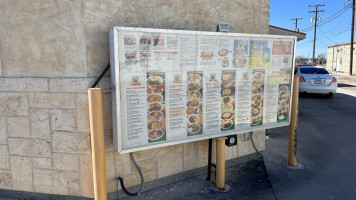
[[174, 86]]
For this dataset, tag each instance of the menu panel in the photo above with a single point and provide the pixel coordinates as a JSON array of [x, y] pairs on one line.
[[178, 87]]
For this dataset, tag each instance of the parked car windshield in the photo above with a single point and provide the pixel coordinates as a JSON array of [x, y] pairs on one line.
[[313, 70]]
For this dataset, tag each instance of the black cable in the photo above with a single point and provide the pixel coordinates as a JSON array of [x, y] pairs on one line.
[[101, 76], [328, 19], [342, 26], [333, 35], [253, 142], [332, 17], [327, 35], [122, 180]]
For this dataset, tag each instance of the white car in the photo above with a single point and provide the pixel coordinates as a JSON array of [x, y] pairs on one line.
[[318, 80]]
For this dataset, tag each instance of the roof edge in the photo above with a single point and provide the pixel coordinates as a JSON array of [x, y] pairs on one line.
[[287, 30], [339, 44]]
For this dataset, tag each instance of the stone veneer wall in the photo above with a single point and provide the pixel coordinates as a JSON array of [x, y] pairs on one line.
[[50, 53]]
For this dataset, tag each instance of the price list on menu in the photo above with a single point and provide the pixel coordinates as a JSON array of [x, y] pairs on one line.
[[182, 86], [213, 98], [134, 109], [176, 103]]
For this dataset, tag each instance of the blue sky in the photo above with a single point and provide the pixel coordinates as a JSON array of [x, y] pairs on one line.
[[337, 19]]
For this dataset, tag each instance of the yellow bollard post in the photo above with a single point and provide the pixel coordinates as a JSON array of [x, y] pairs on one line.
[[292, 152], [220, 163], [97, 143]]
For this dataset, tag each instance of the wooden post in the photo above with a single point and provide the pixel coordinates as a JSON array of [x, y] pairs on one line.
[[220, 163], [97, 143], [293, 127]]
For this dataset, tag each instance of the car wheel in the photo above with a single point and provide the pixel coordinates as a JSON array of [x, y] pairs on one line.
[[329, 95]]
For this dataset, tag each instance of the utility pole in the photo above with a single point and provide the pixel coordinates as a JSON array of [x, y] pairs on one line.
[[352, 36], [316, 22], [296, 23]]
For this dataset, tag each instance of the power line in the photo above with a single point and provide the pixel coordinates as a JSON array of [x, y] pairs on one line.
[[332, 16], [305, 43], [321, 46], [328, 19], [346, 24], [326, 35], [342, 26], [334, 34], [324, 22], [339, 32], [340, 29]]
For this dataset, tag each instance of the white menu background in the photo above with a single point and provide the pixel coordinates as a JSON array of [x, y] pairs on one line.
[[185, 109]]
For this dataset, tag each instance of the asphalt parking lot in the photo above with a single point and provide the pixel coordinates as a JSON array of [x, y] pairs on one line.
[[326, 147]]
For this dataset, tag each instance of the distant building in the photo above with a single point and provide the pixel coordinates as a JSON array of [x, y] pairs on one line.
[[338, 58]]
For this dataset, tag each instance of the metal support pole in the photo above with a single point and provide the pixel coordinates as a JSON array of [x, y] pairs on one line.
[[220, 163], [316, 22], [296, 23], [209, 159], [292, 153], [352, 36], [97, 143]]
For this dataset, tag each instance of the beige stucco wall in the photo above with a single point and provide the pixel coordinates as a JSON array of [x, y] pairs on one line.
[[51, 51]]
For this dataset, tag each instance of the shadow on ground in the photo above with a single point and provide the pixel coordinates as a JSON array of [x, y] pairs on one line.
[[325, 146], [345, 85], [248, 181]]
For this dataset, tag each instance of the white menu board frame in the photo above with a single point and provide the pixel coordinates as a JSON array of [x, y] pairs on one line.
[[146, 107]]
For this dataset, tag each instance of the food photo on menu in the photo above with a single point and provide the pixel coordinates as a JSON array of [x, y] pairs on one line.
[[283, 103], [257, 97], [145, 42], [158, 42], [206, 55], [129, 40], [223, 57], [240, 54], [156, 109], [260, 53], [282, 48], [194, 103], [228, 100]]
